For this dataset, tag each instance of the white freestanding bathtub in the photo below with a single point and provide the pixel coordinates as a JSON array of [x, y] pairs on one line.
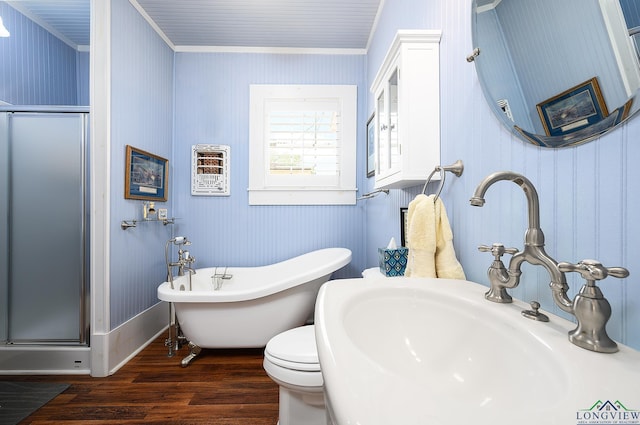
[[251, 304]]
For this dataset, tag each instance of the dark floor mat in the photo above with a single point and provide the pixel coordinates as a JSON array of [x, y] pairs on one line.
[[20, 399]]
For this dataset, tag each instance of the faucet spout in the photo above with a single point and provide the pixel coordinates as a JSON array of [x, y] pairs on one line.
[[533, 205], [534, 252]]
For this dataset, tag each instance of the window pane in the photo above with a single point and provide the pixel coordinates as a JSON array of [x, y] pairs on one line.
[[302, 145], [303, 141]]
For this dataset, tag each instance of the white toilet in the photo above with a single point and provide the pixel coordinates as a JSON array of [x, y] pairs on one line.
[[291, 360]]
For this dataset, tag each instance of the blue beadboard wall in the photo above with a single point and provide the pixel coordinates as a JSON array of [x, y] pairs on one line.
[[82, 64], [494, 60], [631, 10], [141, 116], [587, 193], [585, 45], [212, 106], [36, 68]]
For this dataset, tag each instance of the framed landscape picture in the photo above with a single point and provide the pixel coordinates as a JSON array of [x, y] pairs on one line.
[[573, 109], [146, 175]]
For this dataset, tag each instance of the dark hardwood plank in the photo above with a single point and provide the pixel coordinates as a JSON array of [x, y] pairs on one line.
[[220, 387]]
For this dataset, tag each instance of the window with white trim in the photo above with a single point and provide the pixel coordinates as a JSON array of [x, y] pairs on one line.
[[302, 145]]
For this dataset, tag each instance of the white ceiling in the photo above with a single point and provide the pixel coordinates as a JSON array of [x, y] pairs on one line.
[[344, 24], [67, 19]]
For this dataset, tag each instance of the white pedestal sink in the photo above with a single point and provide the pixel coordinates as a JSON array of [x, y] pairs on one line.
[[433, 351]]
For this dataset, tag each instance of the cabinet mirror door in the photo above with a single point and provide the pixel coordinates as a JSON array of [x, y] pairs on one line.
[[394, 142], [382, 150]]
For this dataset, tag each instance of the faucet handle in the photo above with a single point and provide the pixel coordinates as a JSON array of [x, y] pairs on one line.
[[188, 258], [497, 250], [592, 270], [497, 273], [590, 307]]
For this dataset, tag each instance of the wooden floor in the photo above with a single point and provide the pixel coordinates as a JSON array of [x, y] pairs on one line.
[[220, 387]]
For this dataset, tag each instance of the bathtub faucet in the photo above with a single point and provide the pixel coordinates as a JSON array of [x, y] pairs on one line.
[[185, 260]]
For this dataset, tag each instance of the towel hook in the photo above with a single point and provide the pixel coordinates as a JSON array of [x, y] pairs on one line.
[[456, 168]]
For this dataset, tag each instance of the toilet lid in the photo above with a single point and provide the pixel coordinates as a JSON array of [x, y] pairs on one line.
[[294, 349]]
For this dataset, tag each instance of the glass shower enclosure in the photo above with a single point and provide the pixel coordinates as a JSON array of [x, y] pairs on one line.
[[43, 226]]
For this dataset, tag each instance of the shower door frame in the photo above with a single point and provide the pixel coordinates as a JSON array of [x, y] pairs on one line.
[[78, 359]]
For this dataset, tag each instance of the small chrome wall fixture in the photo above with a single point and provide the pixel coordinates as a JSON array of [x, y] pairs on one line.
[[473, 55], [374, 193], [149, 214]]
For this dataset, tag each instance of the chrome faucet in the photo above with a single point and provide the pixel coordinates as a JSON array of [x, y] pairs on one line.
[[590, 308], [175, 338], [185, 260], [533, 253]]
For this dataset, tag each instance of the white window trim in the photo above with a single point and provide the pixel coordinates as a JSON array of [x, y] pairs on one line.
[[262, 194]]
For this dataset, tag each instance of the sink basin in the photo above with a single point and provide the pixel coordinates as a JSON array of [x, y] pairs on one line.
[[434, 351]]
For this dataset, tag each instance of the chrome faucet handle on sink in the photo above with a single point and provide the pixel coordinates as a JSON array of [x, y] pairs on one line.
[[498, 274], [497, 250], [592, 270], [590, 307]]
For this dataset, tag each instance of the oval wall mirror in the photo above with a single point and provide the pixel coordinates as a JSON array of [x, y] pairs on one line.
[[558, 72]]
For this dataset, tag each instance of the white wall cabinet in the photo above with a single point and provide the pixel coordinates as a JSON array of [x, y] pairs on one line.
[[407, 110]]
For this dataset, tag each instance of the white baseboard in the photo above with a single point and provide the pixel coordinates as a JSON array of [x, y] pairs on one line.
[[108, 352]]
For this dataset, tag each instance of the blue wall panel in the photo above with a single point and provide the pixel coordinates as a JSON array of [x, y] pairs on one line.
[[82, 63], [141, 116], [631, 10], [586, 50], [587, 193], [212, 106], [36, 68], [497, 66]]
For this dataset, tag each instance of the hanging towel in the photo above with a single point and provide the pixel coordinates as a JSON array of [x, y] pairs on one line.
[[421, 238], [430, 240], [447, 265]]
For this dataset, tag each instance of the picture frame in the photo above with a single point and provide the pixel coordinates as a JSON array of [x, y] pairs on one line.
[[404, 216], [371, 146], [146, 175], [573, 109]]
